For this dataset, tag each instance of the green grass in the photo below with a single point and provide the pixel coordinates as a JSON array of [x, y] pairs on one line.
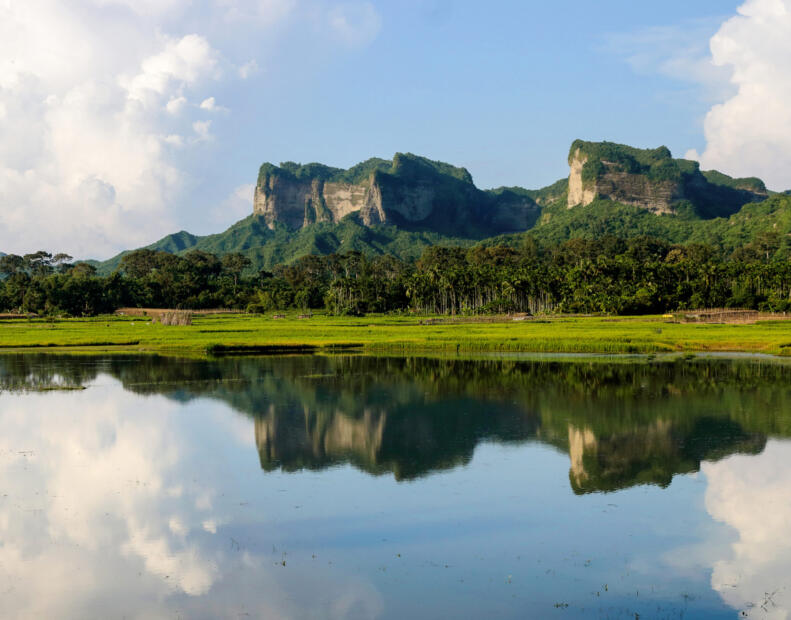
[[394, 334]]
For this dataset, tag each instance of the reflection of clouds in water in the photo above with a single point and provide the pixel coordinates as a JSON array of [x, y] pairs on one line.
[[752, 494], [92, 482], [106, 507]]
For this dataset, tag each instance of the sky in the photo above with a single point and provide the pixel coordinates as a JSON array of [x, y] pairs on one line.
[[124, 120]]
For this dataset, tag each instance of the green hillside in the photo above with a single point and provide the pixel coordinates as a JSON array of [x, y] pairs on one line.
[[557, 224], [266, 248], [602, 217]]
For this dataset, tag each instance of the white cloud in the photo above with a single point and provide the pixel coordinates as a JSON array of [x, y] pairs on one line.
[[202, 130], [96, 119], [83, 163], [210, 105], [266, 12], [248, 69], [749, 133], [145, 7], [175, 105], [174, 140], [752, 494], [183, 62], [354, 24]]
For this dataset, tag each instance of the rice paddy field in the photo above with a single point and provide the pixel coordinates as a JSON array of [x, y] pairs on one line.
[[238, 333]]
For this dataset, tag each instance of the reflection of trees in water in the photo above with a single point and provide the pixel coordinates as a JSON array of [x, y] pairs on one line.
[[21, 373], [621, 423]]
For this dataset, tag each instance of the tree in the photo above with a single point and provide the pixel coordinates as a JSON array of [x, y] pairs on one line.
[[234, 264], [39, 263], [138, 263], [82, 270], [11, 264]]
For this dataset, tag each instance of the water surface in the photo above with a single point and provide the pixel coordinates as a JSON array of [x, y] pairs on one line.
[[358, 487]]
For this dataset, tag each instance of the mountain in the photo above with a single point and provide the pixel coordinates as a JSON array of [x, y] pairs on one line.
[[653, 180], [411, 192], [605, 217], [402, 206], [267, 247]]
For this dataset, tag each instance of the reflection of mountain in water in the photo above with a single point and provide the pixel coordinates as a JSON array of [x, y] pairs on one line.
[[409, 440], [654, 453], [621, 424]]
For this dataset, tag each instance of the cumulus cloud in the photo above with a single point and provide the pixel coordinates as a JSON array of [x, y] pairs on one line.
[[752, 494], [176, 105], [210, 105], [181, 62], [202, 131], [749, 133], [102, 103], [84, 165]]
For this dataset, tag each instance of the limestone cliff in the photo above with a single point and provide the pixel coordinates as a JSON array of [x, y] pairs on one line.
[[295, 441], [410, 191], [653, 180]]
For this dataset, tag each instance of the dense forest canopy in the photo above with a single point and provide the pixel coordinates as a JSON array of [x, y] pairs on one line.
[[608, 274]]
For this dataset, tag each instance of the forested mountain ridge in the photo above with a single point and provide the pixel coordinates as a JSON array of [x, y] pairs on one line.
[[266, 248], [313, 208], [752, 223]]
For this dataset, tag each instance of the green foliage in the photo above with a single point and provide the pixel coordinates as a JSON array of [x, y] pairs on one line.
[[752, 184], [657, 164], [354, 175], [403, 164], [266, 248], [602, 217], [362, 171], [546, 196], [409, 166]]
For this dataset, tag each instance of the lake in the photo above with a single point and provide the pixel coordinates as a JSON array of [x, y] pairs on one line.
[[364, 487]]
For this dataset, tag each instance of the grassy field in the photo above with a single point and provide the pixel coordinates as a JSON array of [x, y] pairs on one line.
[[394, 334]]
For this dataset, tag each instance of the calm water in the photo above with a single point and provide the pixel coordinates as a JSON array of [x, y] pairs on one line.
[[354, 487]]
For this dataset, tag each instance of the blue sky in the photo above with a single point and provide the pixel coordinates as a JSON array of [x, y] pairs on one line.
[[501, 88], [124, 120]]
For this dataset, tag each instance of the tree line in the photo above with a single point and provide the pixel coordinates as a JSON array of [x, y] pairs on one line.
[[607, 275]]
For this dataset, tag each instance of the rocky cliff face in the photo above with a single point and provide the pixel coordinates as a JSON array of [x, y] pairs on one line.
[[297, 203], [412, 192], [578, 193], [653, 180], [293, 441], [620, 186]]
